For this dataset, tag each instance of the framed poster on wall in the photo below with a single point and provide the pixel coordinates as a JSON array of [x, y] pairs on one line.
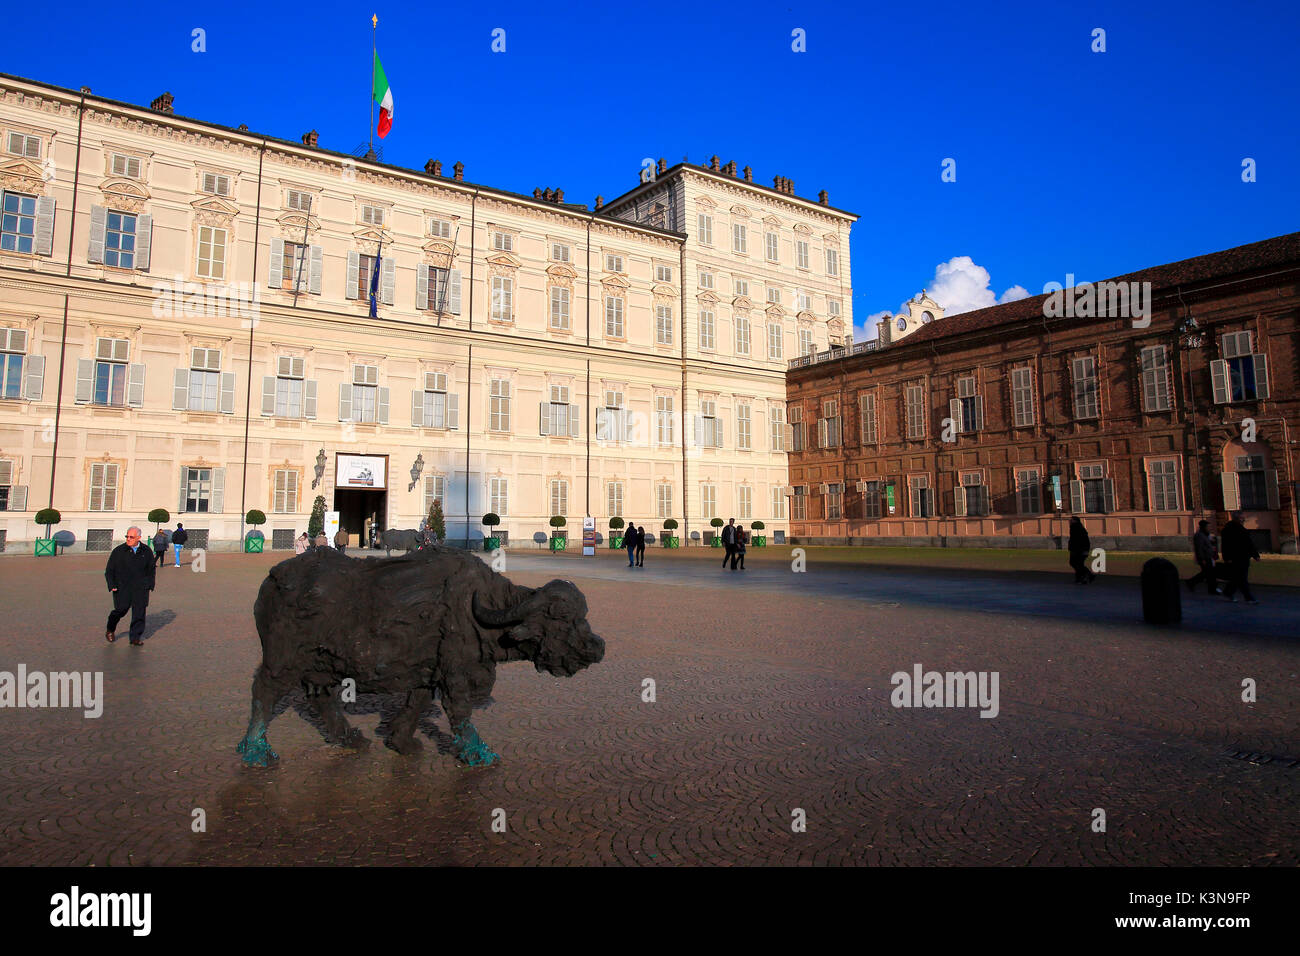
[[361, 472]]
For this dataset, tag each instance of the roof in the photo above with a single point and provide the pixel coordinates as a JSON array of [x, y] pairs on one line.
[[726, 178]]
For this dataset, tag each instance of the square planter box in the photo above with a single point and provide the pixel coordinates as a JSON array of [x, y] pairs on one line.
[[253, 545], [557, 544], [491, 544], [615, 544], [715, 542], [45, 546], [673, 542], [758, 540]]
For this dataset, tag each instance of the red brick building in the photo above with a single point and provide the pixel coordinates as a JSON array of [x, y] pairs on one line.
[[991, 428]]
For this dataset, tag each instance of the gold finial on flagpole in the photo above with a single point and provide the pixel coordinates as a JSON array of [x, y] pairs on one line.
[[374, 21]]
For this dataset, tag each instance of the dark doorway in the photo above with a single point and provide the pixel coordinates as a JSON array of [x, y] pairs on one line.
[[354, 506]]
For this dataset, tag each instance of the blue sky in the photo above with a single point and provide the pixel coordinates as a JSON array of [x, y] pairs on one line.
[[1067, 161]]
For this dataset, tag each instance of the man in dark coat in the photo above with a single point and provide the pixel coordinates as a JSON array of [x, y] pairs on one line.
[[130, 575], [629, 542], [1206, 553], [179, 537], [160, 546], [1080, 546], [729, 542], [640, 547], [1238, 549]]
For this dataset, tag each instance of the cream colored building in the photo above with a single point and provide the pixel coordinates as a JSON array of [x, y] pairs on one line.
[[185, 324]]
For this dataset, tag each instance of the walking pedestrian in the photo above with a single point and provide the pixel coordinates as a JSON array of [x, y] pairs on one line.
[[629, 542], [1238, 549], [300, 544], [1206, 551], [640, 547], [729, 542], [179, 537], [322, 541], [130, 575], [741, 535], [160, 547], [1080, 545], [341, 541]]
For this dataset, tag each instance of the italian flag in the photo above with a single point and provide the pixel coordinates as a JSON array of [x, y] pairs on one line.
[[384, 97]]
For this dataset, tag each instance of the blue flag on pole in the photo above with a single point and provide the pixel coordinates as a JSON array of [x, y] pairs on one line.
[[374, 282]]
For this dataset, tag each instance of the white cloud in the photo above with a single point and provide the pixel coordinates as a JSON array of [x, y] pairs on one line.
[[959, 285]]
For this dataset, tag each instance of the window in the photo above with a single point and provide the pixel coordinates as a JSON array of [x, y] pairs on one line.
[[503, 242], [796, 428], [776, 423], [20, 144], [498, 497], [1255, 488], [613, 263], [110, 371], [664, 325], [1162, 481], [740, 287], [205, 379], [198, 490], [774, 296], [295, 268], [967, 409], [558, 416], [296, 199], [286, 491], [614, 499], [435, 489], [365, 393], [128, 166], [801, 253], [828, 426], [559, 308], [1029, 491], [18, 223], [706, 329], [559, 497], [664, 501], [806, 346], [8, 496], [799, 503], [559, 252], [445, 294], [1092, 492], [665, 429], [499, 406], [503, 298], [920, 496], [770, 246], [663, 273], [372, 215], [775, 345], [436, 411], [915, 402], [365, 273], [738, 238], [709, 432], [778, 502], [745, 502], [1086, 402], [834, 501], [1155, 379], [441, 229], [873, 494], [743, 428], [216, 184], [614, 316], [971, 496], [119, 240], [709, 503], [833, 308], [706, 230], [103, 487], [613, 420], [1241, 375], [832, 262], [13, 349], [742, 333], [867, 417], [1022, 396], [802, 302], [289, 387], [211, 259], [706, 279]]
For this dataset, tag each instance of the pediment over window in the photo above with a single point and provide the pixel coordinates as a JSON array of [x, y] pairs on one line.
[[836, 326], [438, 247], [803, 230], [771, 221], [742, 302], [292, 224], [706, 202], [740, 211], [127, 189], [503, 259], [371, 234], [805, 316], [831, 239], [774, 311], [23, 175], [660, 289], [558, 270], [708, 296], [214, 205], [615, 283]]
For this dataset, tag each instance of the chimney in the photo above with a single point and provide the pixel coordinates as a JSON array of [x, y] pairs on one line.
[[730, 168], [243, 127], [537, 193], [749, 175], [548, 194], [824, 198], [433, 167], [600, 201], [776, 183], [163, 104], [460, 171], [310, 139], [713, 163], [789, 186], [663, 166], [559, 195]]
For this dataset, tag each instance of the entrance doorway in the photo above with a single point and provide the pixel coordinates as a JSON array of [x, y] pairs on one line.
[[354, 506]]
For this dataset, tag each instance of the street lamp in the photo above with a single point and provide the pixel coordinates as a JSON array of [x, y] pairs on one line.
[[1190, 337]]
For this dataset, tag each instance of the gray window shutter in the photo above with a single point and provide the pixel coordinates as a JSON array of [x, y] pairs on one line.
[[717, 433], [275, 271], [354, 274], [315, 270], [453, 297], [959, 499], [382, 413], [44, 244], [979, 413], [85, 381], [1076, 497], [1261, 375], [574, 414], [345, 402], [18, 498], [268, 394], [1219, 381], [181, 390], [135, 385], [421, 286], [34, 386], [1231, 496], [309, 398], [227, 393], [218, 504], [143, 240], [699, 431], [98, 228], [388, 281], [453, 410], [184, 476], [1108, 495], [1270, 487], [954, 412], [544, 418], [417, 408]]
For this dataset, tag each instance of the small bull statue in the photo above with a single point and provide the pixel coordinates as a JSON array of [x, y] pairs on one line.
[[407, 540], [438, 619]]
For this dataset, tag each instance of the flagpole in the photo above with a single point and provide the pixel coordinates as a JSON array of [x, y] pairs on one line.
[[374, 50]]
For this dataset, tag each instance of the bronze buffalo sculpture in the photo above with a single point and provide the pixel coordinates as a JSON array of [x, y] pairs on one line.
[[437, 619]]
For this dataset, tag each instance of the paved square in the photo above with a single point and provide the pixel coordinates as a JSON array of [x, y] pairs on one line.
[[772, 695]]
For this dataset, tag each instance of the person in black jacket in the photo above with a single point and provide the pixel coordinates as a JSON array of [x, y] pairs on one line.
[[179, 537], [1238, 549], [629, 542], [1080, 545], [160, 547], [1206, 551], [130, 576], [640, 547], [729, 542]]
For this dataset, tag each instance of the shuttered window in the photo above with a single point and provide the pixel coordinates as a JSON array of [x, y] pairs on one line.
[[1162, 479], [707, 327], [559, 497], [559, 308], [665, 427], [1155, 378], [1086, 401], [914, 397], [706, 230], [499, 405], [664, 501], [103, 487], [210, 261], [1022, 396], [743, 427], [286, 491], [18, 223], [664, 325], [742, 333], [614, 316], [776, 422], [867, 417]]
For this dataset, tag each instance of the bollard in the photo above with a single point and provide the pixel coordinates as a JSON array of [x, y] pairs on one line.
[[1161, 602]]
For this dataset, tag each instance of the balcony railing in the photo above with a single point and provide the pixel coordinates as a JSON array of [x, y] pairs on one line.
[[835, 352]]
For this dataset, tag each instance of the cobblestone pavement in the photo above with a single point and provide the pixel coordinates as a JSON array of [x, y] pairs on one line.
[[771, 696]]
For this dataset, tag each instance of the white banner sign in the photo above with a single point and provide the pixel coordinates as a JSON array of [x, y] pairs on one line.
[[366, 472]]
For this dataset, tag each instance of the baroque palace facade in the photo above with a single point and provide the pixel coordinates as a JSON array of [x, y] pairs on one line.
[[185, 324]]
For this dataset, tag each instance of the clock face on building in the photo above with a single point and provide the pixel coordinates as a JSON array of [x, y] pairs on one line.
[[902, 324], [926, 317]]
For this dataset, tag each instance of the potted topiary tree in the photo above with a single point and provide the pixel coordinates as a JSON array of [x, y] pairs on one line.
[[316, 523], [253, 540], [758, 540], [716, 540], [669, 539], [490, 541], [557, 536], [159, 517], [615, 533], [47, 517]]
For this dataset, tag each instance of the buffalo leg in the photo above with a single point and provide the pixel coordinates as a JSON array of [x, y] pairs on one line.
[[401, 732], [337, 728], [469, 746], [266, 692]]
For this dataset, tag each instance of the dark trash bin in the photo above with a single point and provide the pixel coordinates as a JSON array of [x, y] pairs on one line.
[[1161, 602]]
